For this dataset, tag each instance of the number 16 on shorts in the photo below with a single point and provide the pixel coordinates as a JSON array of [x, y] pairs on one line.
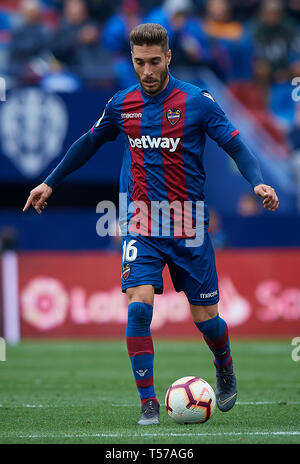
[[129, 251], [129, 255]]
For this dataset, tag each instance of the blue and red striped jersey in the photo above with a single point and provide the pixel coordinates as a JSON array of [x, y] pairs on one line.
[[164, 141]]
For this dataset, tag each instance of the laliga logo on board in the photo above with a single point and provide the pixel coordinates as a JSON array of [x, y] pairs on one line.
[[46, 304], [33, 125]]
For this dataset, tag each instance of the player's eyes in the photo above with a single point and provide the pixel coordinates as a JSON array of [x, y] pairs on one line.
[[141, 63]]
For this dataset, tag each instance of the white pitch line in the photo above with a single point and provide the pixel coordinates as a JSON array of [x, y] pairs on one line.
[[258, 403], [146, 435], [26, 406], [241, 403], [130, 405]]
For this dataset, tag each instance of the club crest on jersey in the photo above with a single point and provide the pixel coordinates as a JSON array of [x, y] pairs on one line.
[[126, 271], [173, 116]]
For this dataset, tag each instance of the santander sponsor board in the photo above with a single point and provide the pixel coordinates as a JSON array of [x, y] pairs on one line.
[[71, 295]]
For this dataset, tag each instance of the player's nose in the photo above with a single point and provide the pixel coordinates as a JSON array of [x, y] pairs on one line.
[[147, 70]]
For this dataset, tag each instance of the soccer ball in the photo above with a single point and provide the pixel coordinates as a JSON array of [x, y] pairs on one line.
[[190, 400]]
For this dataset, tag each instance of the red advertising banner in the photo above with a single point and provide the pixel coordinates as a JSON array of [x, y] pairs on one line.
[[79, 295]]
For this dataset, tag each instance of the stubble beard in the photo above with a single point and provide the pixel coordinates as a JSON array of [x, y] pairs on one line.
[[162, 81]]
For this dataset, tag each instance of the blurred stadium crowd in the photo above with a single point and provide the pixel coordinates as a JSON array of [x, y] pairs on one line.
[[253, 46], [85, 39]]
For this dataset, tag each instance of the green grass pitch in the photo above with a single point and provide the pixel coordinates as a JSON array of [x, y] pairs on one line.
[[84, 392]]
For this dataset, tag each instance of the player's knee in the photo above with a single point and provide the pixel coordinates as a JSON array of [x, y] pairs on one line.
[[139, 319], [204, 313], [141, 294]]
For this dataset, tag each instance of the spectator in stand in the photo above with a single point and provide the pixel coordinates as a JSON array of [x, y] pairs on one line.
[[76, 43], [244, 10], [5, 38], [51, 11], [231, 38], [5, 28], [188, 41], [52, 4], [58, 79], [102, 10], [115, 39], [29, 42], [149, 5], [274, 34], [293, 8]]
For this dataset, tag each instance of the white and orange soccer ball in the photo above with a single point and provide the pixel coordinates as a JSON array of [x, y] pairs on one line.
[[190, 400]]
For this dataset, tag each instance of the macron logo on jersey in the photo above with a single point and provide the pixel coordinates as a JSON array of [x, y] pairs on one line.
[[154, 142], [131, 115]]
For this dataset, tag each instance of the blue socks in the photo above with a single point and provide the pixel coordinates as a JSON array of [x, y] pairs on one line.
[[215, 333], [140, 348]]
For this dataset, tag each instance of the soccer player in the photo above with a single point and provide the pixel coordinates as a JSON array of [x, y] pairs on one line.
[[164, 122]]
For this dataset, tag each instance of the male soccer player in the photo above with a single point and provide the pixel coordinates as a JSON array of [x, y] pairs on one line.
[[164, 122]]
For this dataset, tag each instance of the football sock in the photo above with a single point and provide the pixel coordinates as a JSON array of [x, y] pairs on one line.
[[140, 348], [215, 333]]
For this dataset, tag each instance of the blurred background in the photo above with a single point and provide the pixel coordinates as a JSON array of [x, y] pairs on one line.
[[60, 61]]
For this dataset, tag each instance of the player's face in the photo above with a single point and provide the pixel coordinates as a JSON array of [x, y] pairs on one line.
[[151, 65]]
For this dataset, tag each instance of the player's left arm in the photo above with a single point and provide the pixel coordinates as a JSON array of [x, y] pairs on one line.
[[248, 166], [215, 123]]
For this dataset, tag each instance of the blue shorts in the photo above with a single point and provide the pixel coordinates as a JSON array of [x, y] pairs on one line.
[[192, 269]]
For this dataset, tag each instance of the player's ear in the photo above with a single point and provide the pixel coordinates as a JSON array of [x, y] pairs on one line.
[[169, 56]]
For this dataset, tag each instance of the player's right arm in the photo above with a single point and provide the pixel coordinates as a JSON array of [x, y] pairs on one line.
[[78, 154]]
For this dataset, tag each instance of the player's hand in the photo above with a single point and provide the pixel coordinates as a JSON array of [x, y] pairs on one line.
[[38, 197], [270, 199]]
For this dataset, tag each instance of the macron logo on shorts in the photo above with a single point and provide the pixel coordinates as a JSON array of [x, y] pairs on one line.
[[209, 295], [154, 142]]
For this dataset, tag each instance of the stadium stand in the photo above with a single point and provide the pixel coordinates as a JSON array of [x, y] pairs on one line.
[[246, 52]]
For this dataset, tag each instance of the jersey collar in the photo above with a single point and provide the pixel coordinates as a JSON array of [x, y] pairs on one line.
[[162, 95]]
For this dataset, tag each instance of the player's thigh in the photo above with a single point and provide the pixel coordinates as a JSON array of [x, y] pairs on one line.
[[142, 266], [193, 271], [141, 294], [204, 312]]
